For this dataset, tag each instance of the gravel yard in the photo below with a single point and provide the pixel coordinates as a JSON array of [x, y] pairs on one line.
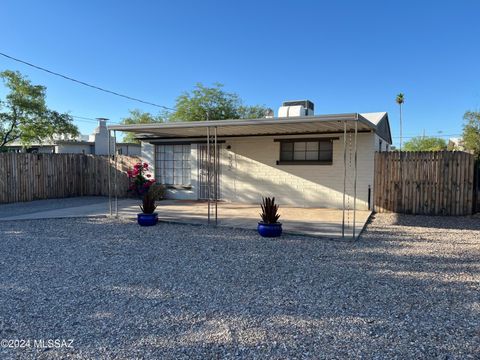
[[410, 288]]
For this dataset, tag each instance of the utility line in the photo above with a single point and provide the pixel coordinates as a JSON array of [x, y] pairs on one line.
[[86, 84]]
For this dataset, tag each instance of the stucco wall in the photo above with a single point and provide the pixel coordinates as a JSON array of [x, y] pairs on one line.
[[249, 171], [73, 148]]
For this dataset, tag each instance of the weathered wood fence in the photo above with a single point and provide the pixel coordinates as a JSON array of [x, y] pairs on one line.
[[27, 177], [430, 183]]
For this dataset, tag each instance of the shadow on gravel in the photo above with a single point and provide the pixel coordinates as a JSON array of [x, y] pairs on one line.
[[179, 291], [440, 222]]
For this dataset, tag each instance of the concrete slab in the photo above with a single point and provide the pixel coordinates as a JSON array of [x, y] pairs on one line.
[[308, 221]]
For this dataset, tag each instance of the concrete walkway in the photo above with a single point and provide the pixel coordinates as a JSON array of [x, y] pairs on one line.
[[308, 221]]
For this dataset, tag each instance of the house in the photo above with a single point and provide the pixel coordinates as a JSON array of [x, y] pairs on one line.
[[300, 158], [456, 144], [95, 143]]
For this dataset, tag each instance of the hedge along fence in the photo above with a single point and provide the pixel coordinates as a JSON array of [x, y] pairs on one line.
[[27, 177], [429, 183]]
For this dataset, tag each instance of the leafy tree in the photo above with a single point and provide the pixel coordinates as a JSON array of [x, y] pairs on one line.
[[26, 117], [213, 103], [140, 117], [471, 131], [421, 143]]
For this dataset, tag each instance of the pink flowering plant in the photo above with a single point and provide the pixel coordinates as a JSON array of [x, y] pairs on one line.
[[140, 179]]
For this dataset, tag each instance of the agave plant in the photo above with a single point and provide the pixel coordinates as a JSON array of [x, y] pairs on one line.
[[269, 212], [148, 203]]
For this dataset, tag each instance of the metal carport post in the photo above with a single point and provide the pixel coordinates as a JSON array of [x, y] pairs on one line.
[[211, 173], [354, 177], [109, 169]]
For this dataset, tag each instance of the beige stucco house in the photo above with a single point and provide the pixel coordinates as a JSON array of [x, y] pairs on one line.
[[300, 158]]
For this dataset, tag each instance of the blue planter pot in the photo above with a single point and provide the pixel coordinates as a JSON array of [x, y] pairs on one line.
[[147, 219], [270, 230]]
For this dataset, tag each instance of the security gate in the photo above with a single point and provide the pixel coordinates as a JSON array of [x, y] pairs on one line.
[[205, 166]]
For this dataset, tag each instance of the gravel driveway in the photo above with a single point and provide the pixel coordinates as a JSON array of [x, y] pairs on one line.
[[408, 289]]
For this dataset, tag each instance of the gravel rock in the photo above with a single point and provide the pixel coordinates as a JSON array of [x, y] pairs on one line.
[[409, 288]]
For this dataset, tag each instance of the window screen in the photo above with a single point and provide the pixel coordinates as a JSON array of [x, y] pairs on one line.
[[305, 151]]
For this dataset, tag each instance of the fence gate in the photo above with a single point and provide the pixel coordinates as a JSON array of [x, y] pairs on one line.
[[205, 171]]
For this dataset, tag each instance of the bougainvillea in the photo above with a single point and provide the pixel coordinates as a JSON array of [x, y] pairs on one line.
[[140, 179]]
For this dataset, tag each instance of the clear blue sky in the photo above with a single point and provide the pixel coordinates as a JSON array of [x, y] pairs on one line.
[[345, 56]]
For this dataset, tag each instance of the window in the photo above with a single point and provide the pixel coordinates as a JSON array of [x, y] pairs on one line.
[[380, 146], [172, 164], [308, 151]]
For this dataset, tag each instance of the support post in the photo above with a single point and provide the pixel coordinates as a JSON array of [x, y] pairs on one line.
[[355, 180], [109, 175], [208, 174], [116, 171], [344, 174], [215, 163]]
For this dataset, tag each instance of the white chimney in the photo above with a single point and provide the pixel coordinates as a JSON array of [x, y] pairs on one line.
[[100, 137]]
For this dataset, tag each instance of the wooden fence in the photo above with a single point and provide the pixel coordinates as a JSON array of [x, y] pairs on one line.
[[430, 183], [27, 177]]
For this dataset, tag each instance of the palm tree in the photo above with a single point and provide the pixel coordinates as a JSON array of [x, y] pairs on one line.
[[400, 100]]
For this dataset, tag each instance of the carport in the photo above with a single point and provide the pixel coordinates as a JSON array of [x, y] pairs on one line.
[[209, 132]]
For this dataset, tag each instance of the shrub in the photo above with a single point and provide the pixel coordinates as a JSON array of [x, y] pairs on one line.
[[140, 179], [157, 191]]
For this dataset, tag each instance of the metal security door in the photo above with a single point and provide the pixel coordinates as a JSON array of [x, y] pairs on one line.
[[205, 168]]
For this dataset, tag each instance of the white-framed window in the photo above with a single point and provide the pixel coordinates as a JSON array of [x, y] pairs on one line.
[[173, 165]]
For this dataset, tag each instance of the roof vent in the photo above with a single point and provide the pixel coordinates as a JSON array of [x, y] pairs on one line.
[[296, 108]]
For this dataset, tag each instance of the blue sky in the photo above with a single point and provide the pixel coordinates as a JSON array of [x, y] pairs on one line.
[[345, 56]]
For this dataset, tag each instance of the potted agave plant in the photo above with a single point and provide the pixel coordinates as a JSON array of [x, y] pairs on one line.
[[148, 216], [269, 226]]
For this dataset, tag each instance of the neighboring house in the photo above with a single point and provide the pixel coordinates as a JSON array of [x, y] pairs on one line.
[[298, 158], [95, 143], [456, 144]]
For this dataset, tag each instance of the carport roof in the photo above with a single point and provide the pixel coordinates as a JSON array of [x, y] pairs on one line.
[[254, 127]]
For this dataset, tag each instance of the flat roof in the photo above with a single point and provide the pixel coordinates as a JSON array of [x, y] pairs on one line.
[[251, 127]]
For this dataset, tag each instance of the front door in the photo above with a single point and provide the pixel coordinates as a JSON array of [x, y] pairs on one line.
[[206, 172]]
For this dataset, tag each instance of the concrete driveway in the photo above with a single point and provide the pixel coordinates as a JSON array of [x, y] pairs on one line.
[[308, 221]]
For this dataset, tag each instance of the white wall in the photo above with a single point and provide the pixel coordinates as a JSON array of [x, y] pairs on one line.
[[249, 171], [72, 148]]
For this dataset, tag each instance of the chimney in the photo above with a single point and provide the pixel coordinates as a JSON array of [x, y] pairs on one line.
[[100, 137]]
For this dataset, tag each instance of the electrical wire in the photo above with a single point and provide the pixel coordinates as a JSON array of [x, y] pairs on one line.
[[86, 84]]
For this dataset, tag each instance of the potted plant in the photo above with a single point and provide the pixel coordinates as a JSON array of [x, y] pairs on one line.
[[148, 216], [143, 186], [269, 226]]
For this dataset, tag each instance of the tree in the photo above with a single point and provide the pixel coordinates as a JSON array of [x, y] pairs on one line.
[[27, 118], [140, 117], [213, 103], [421, 143], [400, 99], [471, 131]]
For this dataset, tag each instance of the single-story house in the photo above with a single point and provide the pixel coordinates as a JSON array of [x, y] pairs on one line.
[[96, 144], [300, 158]]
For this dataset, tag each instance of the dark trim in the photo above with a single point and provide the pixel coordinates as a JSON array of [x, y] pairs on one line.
[[175, 142], [150, 139], [178, 187], [303, 162], [307, 139]]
